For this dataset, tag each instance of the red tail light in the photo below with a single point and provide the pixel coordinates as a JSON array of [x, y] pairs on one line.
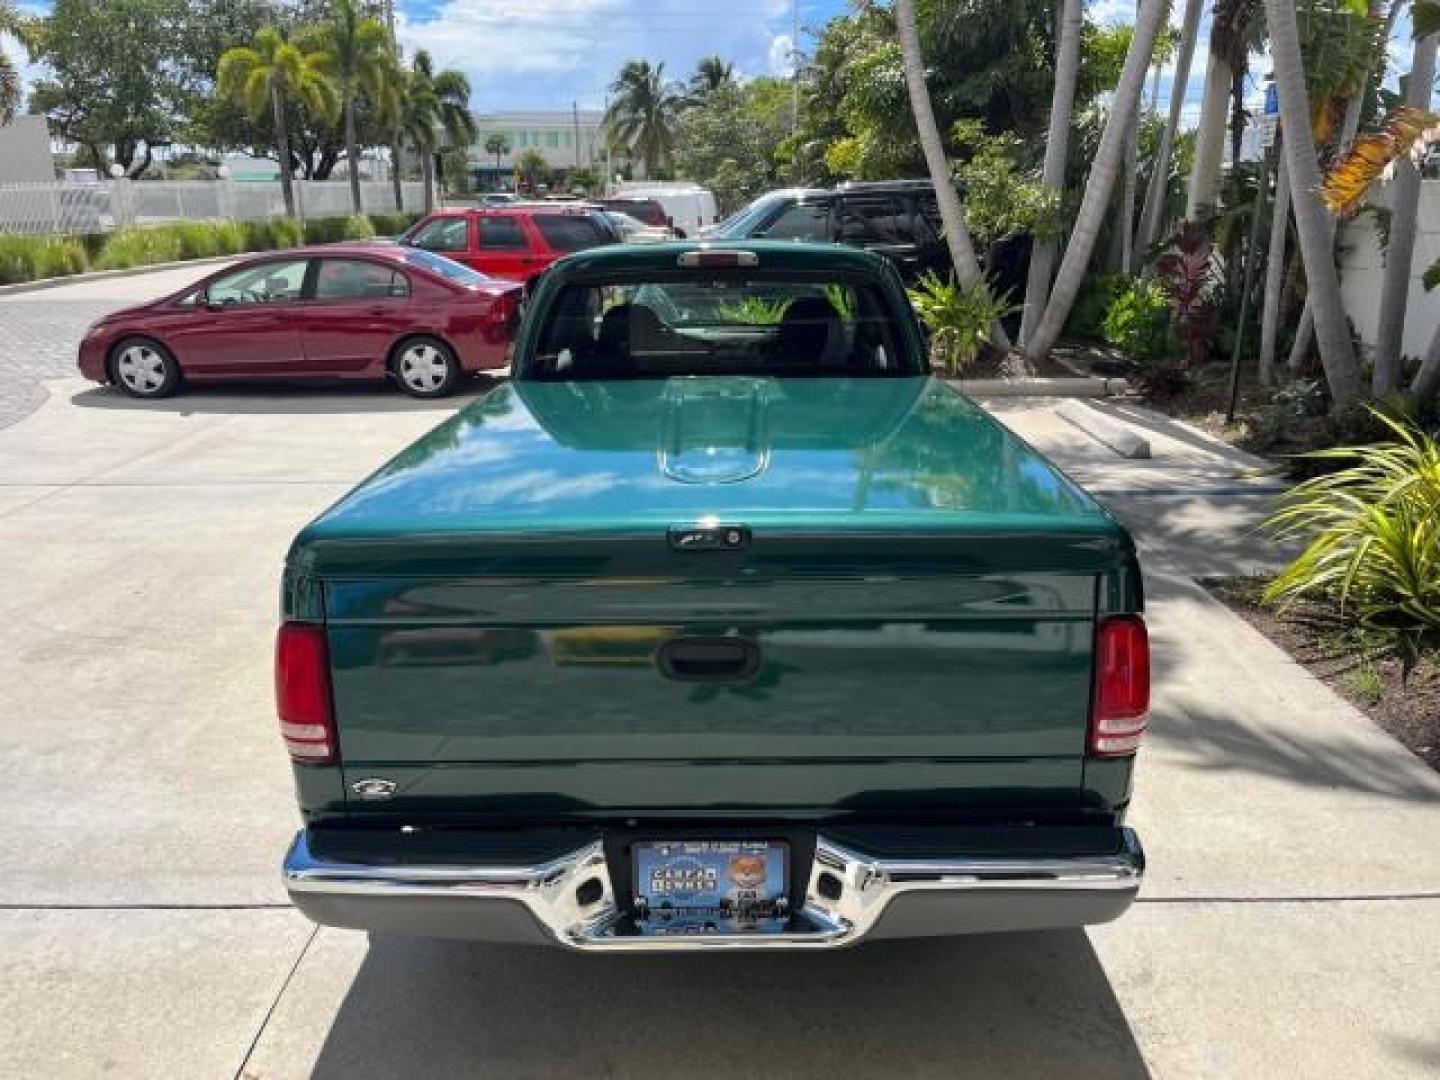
[[302, 694], [1122, 686]]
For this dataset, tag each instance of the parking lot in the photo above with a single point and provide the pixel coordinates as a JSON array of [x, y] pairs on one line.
[[1289, 923]]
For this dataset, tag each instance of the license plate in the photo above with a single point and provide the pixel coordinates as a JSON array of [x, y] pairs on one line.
[[711, 886]]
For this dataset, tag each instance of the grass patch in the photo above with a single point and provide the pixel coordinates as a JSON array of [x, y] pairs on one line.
[[34, 258]]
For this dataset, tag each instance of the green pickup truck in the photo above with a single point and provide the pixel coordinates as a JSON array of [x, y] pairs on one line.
[[722, 625]]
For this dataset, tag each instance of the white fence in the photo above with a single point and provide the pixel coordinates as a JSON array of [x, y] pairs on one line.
[[113, 204], [1362, 269]]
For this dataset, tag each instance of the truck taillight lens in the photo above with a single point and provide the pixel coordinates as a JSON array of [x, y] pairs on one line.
[[302, 694], [1122, 686]]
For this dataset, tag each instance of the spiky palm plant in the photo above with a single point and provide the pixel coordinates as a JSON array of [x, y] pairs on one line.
[[434, 104], [16, 25], [643, 114], [270, 72], [711, 74], [1373, 531], [361, 63]]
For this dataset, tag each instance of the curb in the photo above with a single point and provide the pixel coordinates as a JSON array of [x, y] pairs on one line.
[[1105, 430], [1080, 387], [102, 275]]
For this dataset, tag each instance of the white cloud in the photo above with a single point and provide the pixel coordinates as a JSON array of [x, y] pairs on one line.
[[548, 53], [782, 55], [28, 72]]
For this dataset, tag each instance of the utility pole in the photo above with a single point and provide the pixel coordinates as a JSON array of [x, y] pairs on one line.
[[575, 111], [795, 89]]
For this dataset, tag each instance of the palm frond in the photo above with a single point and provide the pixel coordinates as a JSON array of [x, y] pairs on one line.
[[1408, 133]]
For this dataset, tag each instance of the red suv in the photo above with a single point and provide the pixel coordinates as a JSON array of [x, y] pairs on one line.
[[516, 241]]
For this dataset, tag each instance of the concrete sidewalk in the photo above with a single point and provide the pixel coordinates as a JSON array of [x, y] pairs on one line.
[[1288, 926]]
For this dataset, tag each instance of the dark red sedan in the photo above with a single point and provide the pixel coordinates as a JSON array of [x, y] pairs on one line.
[[344, 311]]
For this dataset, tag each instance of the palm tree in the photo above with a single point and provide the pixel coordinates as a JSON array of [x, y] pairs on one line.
[[1057, 150], [267, 74], [497, 144], [1405, 205], [361, 64], [1345, 77], [1149, 19], [1275, 268], [952, 214], [1150, 216], [1312, 222], [710, 75], [14, 24], [642, 115], [434, 103], [533, 168]]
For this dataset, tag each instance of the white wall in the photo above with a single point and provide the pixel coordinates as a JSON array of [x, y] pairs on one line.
[[1362, 267], [25, 151]]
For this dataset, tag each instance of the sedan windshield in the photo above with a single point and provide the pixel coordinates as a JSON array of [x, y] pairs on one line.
[[446, 268], [719, 324]]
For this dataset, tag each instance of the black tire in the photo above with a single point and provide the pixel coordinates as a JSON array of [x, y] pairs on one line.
[[143, 368], [425, 367]]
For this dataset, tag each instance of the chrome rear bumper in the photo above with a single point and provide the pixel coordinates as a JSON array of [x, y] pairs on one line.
[[851, 897]]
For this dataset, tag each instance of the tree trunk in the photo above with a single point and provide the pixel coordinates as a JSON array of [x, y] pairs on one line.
[[1209, 138], [427, 176], [1275, 270], [1149, 19], [282, 141], [1127, 197], [1312, 222], [1160, 177], [1427, 379], [1305, 329], [396, 182], [352, 155], [1057, 149], [1399, 257], [952, 214]]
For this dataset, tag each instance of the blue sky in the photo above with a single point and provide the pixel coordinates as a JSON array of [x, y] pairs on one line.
[[546, 54], [549, 53]]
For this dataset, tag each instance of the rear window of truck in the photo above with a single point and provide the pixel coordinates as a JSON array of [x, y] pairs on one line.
[[709, 323]]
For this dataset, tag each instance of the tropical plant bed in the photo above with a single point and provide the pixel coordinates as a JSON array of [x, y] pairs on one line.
[[1357, 664]]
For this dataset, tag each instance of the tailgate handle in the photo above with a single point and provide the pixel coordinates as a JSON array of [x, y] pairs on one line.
[[717, 659]]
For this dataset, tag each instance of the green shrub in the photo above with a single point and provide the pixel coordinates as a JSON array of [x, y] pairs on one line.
[[960, 318], [29, 258], [358, 227], [270, 234], [1093, 302], [139, 247], [326, 230], [1138, 322], [1373, 532], [753, 311], [197, 239], [392, 224], [60, 256], [231, 237]]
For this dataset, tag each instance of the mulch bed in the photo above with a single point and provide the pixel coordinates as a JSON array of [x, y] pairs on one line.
[[1361, 670], [997, 364]]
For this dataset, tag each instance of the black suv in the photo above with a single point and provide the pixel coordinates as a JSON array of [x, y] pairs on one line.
[[897, 218]]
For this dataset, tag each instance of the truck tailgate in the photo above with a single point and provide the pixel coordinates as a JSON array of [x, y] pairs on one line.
[[733, 687]]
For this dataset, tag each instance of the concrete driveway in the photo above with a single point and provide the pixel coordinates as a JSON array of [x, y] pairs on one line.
[[1289, 924]]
